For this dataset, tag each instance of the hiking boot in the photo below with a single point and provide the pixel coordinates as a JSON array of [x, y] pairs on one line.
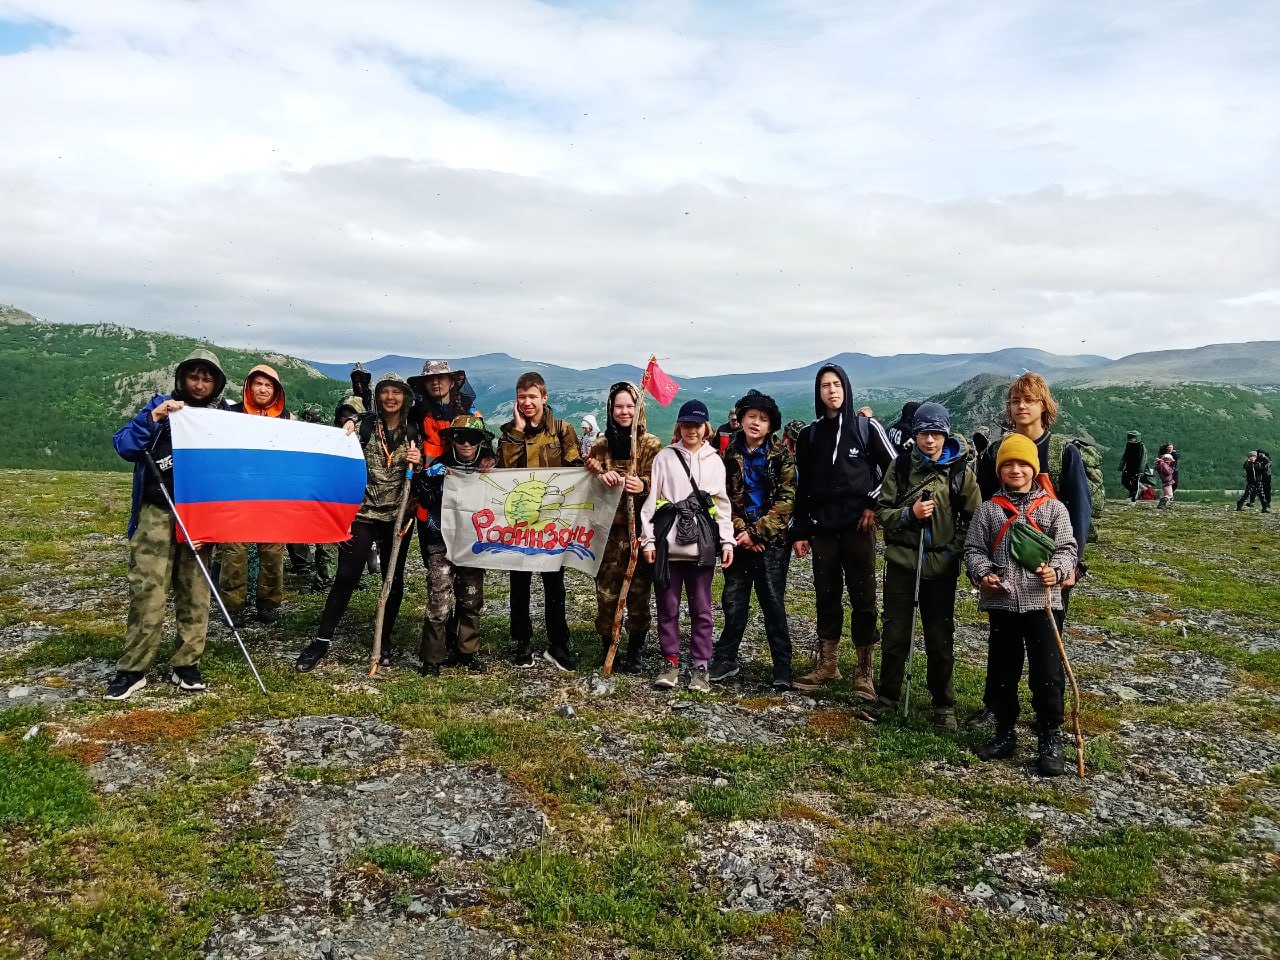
[[237, 617], [945, 719], [999, 747], [826, 669], [632, 662], [429, 670], [669, 677], [385, 657], [782, 681], [188, 678], [561, 658], [698, 682], [985, 719], [723, 670], [269, 615], [1049, 763], [123, 684], [311, 654], [319, 585], [471, 663], [523, 657], [863, 683]]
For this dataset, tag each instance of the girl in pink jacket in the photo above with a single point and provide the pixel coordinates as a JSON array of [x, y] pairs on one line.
[[685, 531]]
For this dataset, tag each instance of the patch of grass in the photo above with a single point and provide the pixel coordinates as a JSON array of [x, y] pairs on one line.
[[41, 788], [1122, 864], [472, 740], [403, 858], [331, 775], [886, 855], [746, 799], [1101, 755], [22, 718]]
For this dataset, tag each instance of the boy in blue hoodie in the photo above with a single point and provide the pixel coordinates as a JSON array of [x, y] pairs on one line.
[[928, 497]]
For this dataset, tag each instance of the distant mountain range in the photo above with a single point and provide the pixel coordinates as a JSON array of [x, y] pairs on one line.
[[1215, 401]]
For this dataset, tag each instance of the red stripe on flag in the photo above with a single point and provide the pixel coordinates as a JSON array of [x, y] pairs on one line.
[[269, 521]]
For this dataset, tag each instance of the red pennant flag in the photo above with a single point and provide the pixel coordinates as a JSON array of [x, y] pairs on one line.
[[661, 387]]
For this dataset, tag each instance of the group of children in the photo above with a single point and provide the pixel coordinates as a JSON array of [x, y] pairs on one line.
[[745, 506]]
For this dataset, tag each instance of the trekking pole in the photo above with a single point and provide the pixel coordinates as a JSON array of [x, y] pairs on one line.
[[389, 571], [634, 539], [1075, 690], [915, 609], [173, 509]]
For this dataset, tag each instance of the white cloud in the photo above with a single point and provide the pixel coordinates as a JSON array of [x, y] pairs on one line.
[[339, 181]]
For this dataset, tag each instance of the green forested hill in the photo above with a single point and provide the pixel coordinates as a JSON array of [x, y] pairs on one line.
[[1213, 426], [64, 390]]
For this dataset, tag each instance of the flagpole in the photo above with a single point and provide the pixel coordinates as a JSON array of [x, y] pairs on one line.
[[631, 528], [173, 509]]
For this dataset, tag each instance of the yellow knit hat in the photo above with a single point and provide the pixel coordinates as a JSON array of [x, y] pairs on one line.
[[1017, 447]]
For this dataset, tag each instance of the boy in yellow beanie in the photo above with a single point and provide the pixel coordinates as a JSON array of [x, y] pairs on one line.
[[1014, 599]]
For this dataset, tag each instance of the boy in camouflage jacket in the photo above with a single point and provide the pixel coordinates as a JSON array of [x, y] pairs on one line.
[[760, 477]]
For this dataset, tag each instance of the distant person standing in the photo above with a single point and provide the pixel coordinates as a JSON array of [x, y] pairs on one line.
[[725, 432], [1169, 448], [1252, 481], [1132, 461], [1164, 467], [590, 432], [900, 434], [1264, 480]]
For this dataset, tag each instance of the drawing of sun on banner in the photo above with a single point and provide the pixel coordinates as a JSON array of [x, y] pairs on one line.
[[527, 519]]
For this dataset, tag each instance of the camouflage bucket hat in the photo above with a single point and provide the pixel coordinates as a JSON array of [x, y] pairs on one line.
[[395, 380], [436, 368], [465, 423]]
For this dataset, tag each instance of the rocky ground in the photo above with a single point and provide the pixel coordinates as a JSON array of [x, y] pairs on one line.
[[525, 813]]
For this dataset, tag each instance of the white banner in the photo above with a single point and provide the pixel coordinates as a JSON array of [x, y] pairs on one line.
[[527, 519]]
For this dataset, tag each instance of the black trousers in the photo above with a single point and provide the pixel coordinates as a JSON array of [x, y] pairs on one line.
[[1015, 638], [766, 574], [845, 560], [352, 556], [553, 608], [938, 623]]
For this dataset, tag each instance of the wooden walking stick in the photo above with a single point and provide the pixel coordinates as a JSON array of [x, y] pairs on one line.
[[621, 608], [389, 569], [1075, 690]]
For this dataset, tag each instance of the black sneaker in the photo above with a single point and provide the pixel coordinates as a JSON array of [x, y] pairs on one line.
[[523, 657], [1001, 746], [471, 662], [123, 684], [312, 653], [561, 658], [269, 615], [188, 678], [429, 670], [385, 659], [982, 721], [723, 670], [782, 684]]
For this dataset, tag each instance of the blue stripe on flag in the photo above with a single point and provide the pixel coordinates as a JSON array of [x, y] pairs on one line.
[[212, 475]]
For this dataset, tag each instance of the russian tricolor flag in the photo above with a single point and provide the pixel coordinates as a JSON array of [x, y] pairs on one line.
[[244, 479]]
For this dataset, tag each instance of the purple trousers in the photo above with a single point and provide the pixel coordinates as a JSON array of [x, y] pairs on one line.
[[696, 583]]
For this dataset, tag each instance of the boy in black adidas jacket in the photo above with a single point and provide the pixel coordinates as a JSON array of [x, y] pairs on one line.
[[841, 459], [929, 493]]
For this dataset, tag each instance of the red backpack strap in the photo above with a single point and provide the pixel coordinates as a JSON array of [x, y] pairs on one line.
[[1046, 484], [1007, 505]]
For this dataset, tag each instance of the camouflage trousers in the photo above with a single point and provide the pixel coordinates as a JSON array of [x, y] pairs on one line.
[[451, 590], [156, 560], [613, 568], [233, 582]]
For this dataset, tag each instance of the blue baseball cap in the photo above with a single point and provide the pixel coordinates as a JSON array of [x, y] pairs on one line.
[[694, 411]]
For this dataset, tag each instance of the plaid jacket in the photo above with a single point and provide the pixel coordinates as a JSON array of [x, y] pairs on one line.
[[982, 555]]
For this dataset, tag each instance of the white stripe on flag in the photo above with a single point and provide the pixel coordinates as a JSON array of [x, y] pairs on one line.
[[195, 428]]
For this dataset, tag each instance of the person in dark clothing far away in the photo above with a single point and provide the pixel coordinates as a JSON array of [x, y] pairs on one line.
[[1252, 481], [360, 381], [1132, 462], [841, 459], [900, 434], [1264, 479], [725, 432]]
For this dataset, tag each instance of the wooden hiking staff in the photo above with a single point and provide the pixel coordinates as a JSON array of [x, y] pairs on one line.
[[1075, 690], [621, 608], [389, 569]]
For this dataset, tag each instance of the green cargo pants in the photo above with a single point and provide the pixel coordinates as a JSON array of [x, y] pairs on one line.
[[937, 622], [233, 583], [156, 559]]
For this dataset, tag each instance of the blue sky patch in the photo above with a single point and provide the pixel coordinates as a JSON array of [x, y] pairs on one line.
[[19, 36]]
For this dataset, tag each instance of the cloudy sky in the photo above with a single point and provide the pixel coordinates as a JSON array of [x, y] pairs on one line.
[[736, 184]]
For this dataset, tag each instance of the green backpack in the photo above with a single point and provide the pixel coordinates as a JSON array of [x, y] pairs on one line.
[[1091, 459]]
